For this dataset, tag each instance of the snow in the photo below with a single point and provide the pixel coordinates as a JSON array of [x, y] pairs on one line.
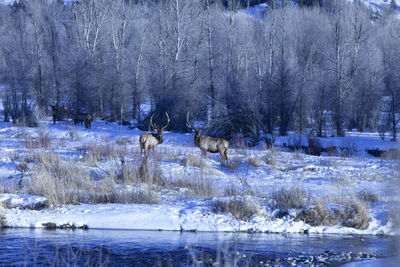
[[321, 176]]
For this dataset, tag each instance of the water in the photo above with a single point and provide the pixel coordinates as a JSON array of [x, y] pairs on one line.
[[39, 247]]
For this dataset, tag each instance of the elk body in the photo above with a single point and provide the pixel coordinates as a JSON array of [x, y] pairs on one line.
[[151, 140], [83, 118], [207, 143]]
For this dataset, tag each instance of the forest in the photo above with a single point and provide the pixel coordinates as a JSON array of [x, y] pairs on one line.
[[313, 68]]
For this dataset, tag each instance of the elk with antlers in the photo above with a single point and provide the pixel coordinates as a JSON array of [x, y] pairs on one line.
[[150, 140], [207, 143]]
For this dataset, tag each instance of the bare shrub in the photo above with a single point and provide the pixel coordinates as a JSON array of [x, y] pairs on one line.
[[233, 163], [290, 198], [195, 161], [255, 161], [240, 208], [367, 196]]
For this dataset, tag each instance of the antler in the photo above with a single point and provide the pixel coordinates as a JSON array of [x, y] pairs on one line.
[[191, 127], [208, 123], [151, 122], [187, 121], [156, 126], [166, 114]]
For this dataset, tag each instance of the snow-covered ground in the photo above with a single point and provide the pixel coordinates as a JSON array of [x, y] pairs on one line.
[[255, 173]]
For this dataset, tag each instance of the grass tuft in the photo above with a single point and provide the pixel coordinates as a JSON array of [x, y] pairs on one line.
[[290, 198], [240, 208]]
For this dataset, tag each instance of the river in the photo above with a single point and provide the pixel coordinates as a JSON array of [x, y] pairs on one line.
[[40, 247]]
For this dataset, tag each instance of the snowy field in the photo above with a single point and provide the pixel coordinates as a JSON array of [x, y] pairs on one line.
[[110, 186]]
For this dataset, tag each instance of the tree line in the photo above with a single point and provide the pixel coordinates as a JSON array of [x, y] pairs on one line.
[[311, 67]]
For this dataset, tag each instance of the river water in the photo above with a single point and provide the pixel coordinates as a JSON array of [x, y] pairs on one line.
[[40, 247]]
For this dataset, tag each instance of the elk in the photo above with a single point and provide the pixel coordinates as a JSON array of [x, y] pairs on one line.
[[58, 112], [150, 140], [207, 143], [88, 121]]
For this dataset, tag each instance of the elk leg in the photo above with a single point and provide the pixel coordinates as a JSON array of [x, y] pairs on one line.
[[204, 153]]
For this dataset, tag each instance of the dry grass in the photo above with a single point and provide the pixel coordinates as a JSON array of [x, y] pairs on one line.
[[353, 214], [42, 140], [233, 163], [195, 161], [240, 208], [255, 161], [67, 182], [290, 198], [94, 153], [231, 190], [269, 158], [74, 134], [197, 185]]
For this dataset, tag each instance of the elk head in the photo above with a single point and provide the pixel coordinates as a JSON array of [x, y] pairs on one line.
[[207, 143], [150, 140]]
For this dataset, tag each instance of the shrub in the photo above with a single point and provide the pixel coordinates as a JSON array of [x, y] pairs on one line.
[[291, 198], [240, 208]]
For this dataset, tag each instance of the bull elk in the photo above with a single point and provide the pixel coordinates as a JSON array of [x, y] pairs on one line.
[[207, 143], [150, 140]]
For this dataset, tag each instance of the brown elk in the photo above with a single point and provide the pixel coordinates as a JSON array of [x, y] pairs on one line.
[[88, 121], [150, 140], [207, 143]]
